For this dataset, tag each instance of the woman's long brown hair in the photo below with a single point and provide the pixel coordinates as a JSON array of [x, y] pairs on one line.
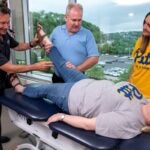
[[145, 39]]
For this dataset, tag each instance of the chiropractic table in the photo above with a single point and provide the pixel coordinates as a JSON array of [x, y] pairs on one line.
[[31, 115]]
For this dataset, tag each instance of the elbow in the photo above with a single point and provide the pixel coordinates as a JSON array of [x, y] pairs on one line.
[[89, 128], [11, 70], [90, 124], [96, 60]]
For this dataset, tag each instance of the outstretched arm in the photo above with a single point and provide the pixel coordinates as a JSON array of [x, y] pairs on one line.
[[12, 68], [75, 121]]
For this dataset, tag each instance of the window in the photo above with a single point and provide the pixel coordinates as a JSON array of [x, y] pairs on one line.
[[25, 16], [49, 14], [17, 24], [120, 24], [115, 24]]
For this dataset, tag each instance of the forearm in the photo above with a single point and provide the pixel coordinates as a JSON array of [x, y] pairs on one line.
[[12, 68], [17, 68], [26, 46], [88, 63], [22, 47], [75, 121], [80, 122]]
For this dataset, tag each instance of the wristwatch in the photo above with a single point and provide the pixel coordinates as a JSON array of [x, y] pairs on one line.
[[62, 117]]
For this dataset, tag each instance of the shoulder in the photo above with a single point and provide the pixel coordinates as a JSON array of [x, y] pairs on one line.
[[137, 45], [7, 38], [11, 41], [60, 27], [85, 30], [57, 31], [139, 41], [10, 34]]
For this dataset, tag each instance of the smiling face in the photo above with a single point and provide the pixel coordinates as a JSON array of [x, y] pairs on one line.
[[73, 20], [146, 26], [4, 23]]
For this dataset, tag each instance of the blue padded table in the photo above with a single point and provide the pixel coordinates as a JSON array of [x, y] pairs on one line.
[[86, 138], [140, 142], [30, 107], [40, 110]]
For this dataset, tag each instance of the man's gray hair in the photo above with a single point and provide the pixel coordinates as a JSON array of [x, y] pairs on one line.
[[73, 5]]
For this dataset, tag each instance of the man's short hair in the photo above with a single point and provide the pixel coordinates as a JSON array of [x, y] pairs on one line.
[[73, 5], [4, 9]]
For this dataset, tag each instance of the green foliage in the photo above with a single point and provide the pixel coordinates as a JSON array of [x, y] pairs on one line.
[[95, 72], [125, 75], [98, 35], [21, 62], [50, 20], [44, 55], [34, 58], [106, 48], [119, 43]]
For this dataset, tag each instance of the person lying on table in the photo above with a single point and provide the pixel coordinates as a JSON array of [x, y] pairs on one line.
[[112, 110]]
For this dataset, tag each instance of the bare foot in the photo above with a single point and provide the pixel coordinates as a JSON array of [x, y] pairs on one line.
[[42, 35], [43, 38]]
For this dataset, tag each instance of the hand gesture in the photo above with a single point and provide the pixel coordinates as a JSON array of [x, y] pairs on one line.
[[54, 118], [70, 65], [43, 65]]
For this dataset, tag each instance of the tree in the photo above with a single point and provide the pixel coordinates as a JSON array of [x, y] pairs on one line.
[[50, 20]]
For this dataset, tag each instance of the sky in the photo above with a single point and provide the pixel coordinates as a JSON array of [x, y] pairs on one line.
[[109, 15]]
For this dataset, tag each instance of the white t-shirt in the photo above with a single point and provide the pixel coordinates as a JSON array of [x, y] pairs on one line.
[[117, 107]]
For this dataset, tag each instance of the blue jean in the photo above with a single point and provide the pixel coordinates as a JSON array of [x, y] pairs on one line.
[[57, 92]]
